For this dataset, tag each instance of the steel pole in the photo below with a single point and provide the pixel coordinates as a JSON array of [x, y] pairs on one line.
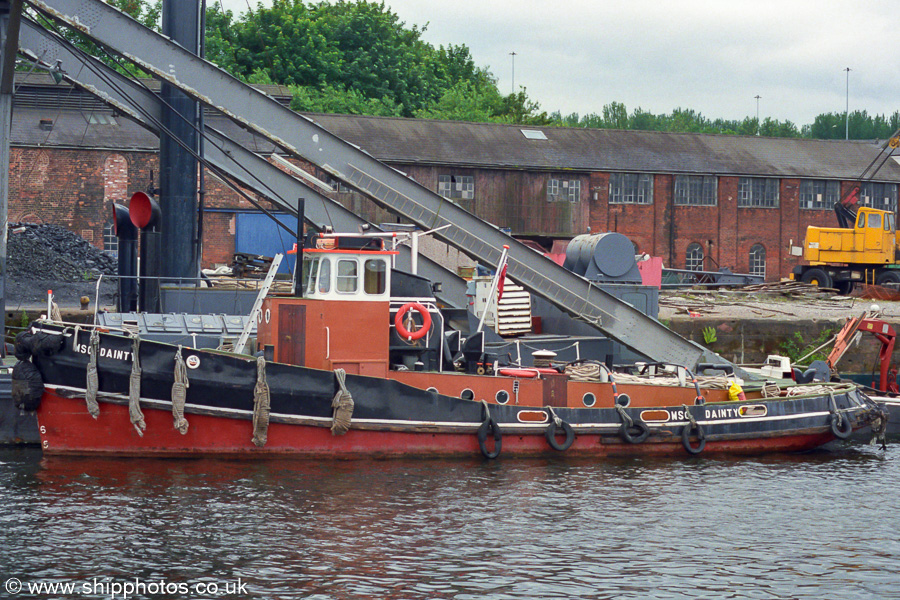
[[847, 110], [10, 17]]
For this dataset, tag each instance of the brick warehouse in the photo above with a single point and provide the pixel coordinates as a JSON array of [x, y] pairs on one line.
[[698, 201]]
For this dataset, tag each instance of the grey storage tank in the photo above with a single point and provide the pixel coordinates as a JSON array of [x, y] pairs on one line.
[[603, 257]]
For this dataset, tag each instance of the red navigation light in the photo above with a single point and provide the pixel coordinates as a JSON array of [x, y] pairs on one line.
[[143, 210]]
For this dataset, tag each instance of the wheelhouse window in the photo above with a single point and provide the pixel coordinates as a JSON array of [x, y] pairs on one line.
[[819, 193], [456, 187], [695, 190], [693, 260], [374, 276], [630, 188], [317, 272], [347, 276], [882, 196], [561, 190], [758, 192], [758, 260]]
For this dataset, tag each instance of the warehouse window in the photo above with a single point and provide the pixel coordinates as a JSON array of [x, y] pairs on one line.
[[560, 190], [693, 260], [339, 186], [882, 196], [758, 260], [630, 188], [695, 190], [819, 193], [456, 187], [757, 192], [110, 241]]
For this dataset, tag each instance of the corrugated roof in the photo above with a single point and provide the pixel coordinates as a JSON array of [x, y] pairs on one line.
[[484, 145], [416, 141]]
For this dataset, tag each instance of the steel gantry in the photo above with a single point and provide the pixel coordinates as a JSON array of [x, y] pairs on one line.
[[302, 137]]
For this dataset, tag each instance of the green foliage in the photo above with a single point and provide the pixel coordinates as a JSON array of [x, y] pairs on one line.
[[796, 348], [709, 335], [357, 57], [615, 116], [330, 99], [23, 320]]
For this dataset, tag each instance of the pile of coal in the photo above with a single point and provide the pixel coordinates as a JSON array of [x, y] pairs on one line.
[[50, 252]]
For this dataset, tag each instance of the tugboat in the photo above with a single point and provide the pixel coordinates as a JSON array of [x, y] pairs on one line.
[[361, 362]]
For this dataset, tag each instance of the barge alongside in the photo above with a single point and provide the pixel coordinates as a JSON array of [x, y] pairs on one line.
[[363, 364]]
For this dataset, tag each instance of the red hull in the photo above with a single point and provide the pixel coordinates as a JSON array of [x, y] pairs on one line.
[[67, 428]]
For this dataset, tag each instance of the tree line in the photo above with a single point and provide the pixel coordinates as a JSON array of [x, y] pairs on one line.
[[358, 57]]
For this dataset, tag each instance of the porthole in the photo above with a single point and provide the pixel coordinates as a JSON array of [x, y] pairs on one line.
[[502, 397], [467, 394], [432, 389], [623, 400], [589, 399], [753, 410]]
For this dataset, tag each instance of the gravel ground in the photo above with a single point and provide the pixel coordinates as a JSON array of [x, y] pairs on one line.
[[746, 306]]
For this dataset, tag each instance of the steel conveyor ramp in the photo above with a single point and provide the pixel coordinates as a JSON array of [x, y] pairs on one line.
[[390, 188], [250, 169]]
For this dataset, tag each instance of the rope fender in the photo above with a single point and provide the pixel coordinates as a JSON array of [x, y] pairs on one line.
[[692, 426], [92, 385], [643, 430], [841, 427], [261, 405], [555, 424], [489, 425], [179, 393], [342, 403], [134, 389]]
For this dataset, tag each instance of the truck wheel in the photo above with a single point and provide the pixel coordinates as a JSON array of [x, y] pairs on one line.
[[817, 277], [844, 287], [888, 277]]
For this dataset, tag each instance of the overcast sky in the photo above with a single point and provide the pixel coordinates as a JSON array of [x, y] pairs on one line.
[[710, 56]]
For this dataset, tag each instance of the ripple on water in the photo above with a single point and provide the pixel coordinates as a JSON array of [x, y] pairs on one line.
[[798, 526]]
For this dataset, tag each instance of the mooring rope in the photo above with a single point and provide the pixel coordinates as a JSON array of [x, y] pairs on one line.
[[553, 417], [834, 409], [261, 404], [134, 389], [771, 390], [179, 393], [342, 403], [625, 417], [591, 372], [690, 416], [92, 385], [55, 315]]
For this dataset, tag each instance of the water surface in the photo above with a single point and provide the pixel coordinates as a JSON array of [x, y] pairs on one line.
[[798, 526]]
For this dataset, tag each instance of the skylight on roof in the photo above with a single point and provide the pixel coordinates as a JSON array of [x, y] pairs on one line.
[[533, 134]]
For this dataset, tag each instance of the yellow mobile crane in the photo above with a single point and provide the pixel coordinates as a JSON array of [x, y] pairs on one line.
[[863, 248]]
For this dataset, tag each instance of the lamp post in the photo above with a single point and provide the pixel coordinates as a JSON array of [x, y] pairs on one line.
[[847, 111], [757, 113], [513, 55]]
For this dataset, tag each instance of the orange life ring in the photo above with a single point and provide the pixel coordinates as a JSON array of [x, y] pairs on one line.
[[418, 333]]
